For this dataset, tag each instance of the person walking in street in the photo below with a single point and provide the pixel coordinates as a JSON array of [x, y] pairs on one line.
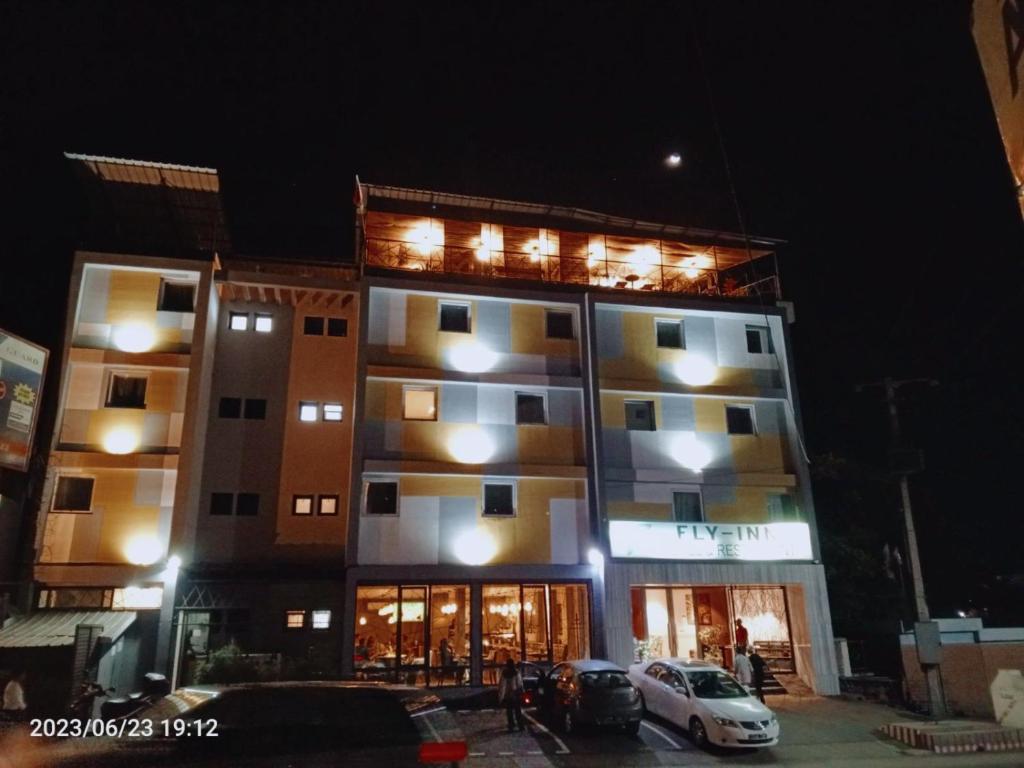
[[759, 666], [741, 667], [14, 697], [742, 636], [510, 690]]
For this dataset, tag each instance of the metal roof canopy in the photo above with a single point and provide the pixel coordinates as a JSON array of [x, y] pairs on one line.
[[425, 200], [52, 629]]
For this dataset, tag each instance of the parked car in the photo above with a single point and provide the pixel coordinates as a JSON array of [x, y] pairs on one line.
[[706, 700], [266, 725], [589, 691]]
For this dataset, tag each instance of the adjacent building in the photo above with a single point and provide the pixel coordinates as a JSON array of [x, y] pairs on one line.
[[507, 430]]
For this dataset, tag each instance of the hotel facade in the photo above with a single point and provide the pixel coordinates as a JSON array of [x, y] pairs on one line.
[[505, 430]]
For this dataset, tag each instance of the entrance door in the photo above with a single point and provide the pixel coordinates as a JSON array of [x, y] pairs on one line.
[[764, 614]]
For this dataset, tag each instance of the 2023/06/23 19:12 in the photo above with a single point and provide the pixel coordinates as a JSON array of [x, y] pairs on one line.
[[127, 728]]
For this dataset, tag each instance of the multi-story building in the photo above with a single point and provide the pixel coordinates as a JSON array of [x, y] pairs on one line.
[[509, 430]]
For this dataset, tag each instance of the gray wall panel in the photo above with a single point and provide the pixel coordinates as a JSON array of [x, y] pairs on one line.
[[616, 447], [700, 336], [493, 325], [609, 333], [457, 514], [458, 403], [377, 327], [678, 413]]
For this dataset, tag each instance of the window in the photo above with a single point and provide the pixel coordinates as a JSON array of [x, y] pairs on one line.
[[221, 503], [686, 507], [313, 326], [74, 494], [640, 415], [332, 411], [454, 317], [382, 498], [419, 404], [248, 504], [307, 410], [295, 619], [670, 334], [126, 391], [264, 323], [758, 340], [337, 326], [302, 505], [559, 324], [739, 419], [499, 499], [321, 619], [328, 506], [255, 409], [530, 408], [239, 321], [177, 297], [230, 408]]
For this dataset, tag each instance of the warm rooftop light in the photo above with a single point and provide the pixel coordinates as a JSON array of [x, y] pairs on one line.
[[696, 370], [134, 337], [690, 452], [470, 445], [643, 259], [595, 253], [121, 440], [143, 549], [692, 267], [474, 547], [425, 238]]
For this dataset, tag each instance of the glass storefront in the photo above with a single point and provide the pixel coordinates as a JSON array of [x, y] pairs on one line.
[[421, 634], [698, 622]]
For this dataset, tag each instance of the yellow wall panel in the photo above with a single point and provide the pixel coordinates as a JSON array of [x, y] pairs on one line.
[[120, 525], [640, 349], [133, 297], [637, 510], [545, 444], [751, 506], [758, 453], [427, 485], [710, 415], [421, 323]]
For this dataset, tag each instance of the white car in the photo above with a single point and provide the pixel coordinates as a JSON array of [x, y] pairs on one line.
[[706, 700]]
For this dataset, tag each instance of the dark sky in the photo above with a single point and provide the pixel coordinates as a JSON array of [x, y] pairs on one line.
[[859, 132]]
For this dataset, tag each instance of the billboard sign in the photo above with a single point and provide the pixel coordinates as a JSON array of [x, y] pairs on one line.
[[22, 369], [710, 541]]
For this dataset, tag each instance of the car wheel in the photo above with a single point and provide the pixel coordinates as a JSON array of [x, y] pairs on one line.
[[698, 732], [633, 728]]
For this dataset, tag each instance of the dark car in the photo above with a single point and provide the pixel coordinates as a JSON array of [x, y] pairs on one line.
[[266, 725], [589, 691]]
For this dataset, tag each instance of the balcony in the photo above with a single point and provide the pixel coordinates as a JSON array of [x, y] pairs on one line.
[[625, 260]]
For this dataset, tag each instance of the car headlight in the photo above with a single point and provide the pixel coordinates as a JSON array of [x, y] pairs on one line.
[[774, 720], [725, 722]]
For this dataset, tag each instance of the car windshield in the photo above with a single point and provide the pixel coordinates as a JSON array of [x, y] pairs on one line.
[[605, 679], [176, 704], [715, 684]]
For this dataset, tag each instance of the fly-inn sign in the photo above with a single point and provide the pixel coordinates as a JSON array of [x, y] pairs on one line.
[[709, 541]]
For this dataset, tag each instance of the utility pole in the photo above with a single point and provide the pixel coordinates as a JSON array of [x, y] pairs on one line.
[[925, 631]]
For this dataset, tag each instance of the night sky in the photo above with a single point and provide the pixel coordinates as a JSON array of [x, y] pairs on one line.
[[861, 133]]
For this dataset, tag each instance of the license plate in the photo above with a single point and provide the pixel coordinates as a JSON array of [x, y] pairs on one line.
[[759, 737]]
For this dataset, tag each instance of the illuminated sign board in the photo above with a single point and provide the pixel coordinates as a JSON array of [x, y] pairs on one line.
[[710, 541], [22, 368]]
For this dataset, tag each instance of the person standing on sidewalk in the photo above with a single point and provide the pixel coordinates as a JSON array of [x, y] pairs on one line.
[[741, 667], [14, 705], [510, 691], [759, 666]]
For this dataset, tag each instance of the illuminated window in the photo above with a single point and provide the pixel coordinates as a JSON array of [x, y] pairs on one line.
[[126, 391], [221, 503], [670, 334], [328, 506], [686, 507], [332, 411], [176, 297], [307, 410], [230, 408], [739, 419], [74, 494], [530, 408], [759, 341], [295, 619], [337, 326], [419, 404], [264, 323], [302, 505], [559, 324], [454, 317], [321, 619], [382, 498], [313, 326], [248, 504], [640, 415], [239, 321], [499, 499], [255, 408]]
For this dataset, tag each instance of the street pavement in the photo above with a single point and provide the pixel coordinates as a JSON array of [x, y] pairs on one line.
[[815, 732]]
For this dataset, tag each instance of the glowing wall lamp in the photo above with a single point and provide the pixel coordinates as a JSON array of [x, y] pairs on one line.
[[696, 370], [471, 445], [134, 337], [121, 440], [425, 238], [474, 547], [143, 549], [473, 357], [690, 452], [596, 558]]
